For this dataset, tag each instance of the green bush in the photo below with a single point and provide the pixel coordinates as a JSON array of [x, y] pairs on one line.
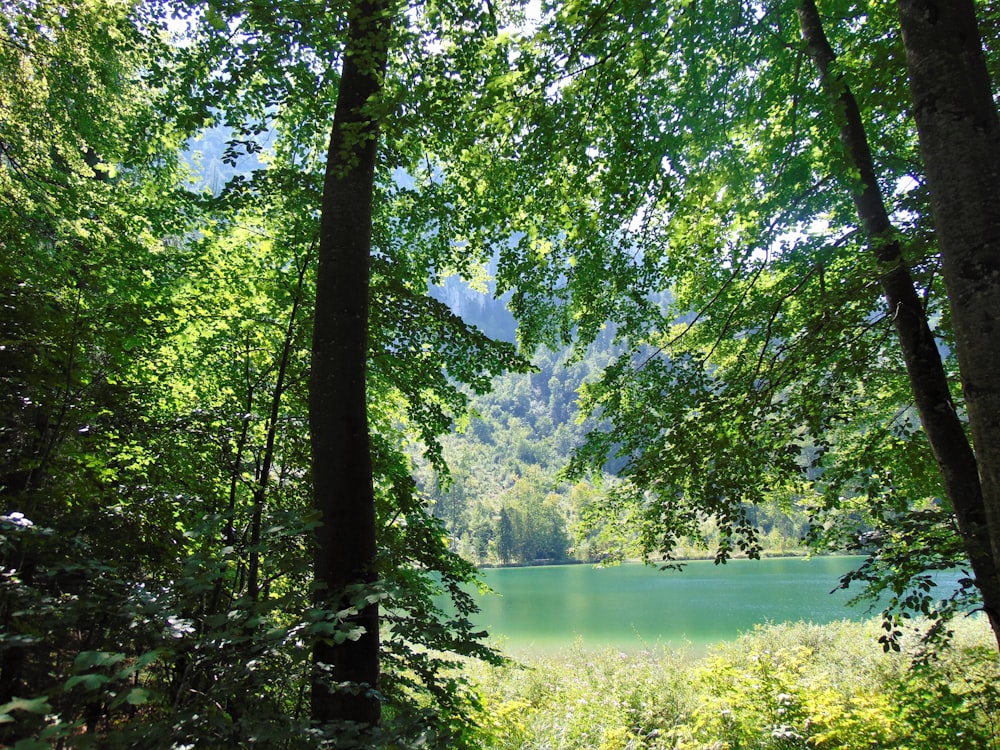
[[585, 699], [953, 702], [777, 688]]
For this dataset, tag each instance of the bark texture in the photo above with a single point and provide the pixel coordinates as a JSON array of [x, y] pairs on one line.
[[960, 144], [928, 381], [347, 673]]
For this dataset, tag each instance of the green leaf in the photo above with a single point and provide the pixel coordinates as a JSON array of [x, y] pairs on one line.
[[91, 659], [31, 705], [89, 681], [215, 19], [353, 634], [137, 696]]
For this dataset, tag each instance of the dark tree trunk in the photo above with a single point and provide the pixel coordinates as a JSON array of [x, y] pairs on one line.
[[960, 144], [338, 418], [928, 381]]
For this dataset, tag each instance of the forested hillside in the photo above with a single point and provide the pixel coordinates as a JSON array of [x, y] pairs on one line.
[[505, 498]]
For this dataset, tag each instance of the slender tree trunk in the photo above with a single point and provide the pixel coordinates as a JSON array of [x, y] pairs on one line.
[[960, 144], [338, 419], [928, 381], [267, 460]]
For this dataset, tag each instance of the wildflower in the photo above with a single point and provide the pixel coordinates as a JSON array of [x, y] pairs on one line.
[[785, 732], [17, 519]]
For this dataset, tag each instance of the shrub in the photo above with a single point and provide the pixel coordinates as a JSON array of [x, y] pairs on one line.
[[780, 687]]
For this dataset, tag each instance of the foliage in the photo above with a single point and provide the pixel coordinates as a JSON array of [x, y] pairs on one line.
[[156, 488], [680, 174], [501, 499], [663, 169], [781, 686], [582, 699], [507, 462]]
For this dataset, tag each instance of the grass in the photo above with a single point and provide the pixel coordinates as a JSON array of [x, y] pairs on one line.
[[778, 687]]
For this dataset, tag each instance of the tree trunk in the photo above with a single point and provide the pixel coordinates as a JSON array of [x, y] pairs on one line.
[[928, 381], [267, 459], [347, 673], [960, 144]]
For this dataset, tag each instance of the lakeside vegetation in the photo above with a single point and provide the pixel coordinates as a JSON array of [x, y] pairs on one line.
[[780, 687]]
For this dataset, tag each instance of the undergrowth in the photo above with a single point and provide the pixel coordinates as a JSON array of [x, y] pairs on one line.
[[780, 687]]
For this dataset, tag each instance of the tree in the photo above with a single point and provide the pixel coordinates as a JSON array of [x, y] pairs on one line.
[[959, 132], [706, 163], [176, 494], [346, 681], [928, 380], [418, 350], [505, 536], [86, 272]]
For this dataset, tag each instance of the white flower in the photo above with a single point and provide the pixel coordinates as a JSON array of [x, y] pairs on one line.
[[17, 518]]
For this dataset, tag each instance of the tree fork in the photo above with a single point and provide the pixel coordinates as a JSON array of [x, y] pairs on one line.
[[928, 382], [346, 674]]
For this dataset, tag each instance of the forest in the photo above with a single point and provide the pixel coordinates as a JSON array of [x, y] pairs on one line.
[[312, 308], [504, 501]]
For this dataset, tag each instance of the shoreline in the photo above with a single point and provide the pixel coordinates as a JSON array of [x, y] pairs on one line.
[[655, 563]]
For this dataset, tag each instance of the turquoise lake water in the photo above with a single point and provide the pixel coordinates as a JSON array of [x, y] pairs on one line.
[[636, 606]]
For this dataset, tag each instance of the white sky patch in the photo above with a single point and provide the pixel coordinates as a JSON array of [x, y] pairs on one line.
[[905, 184], [532, 15]]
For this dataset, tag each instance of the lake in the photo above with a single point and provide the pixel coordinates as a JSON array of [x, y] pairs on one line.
[[635, 606]]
